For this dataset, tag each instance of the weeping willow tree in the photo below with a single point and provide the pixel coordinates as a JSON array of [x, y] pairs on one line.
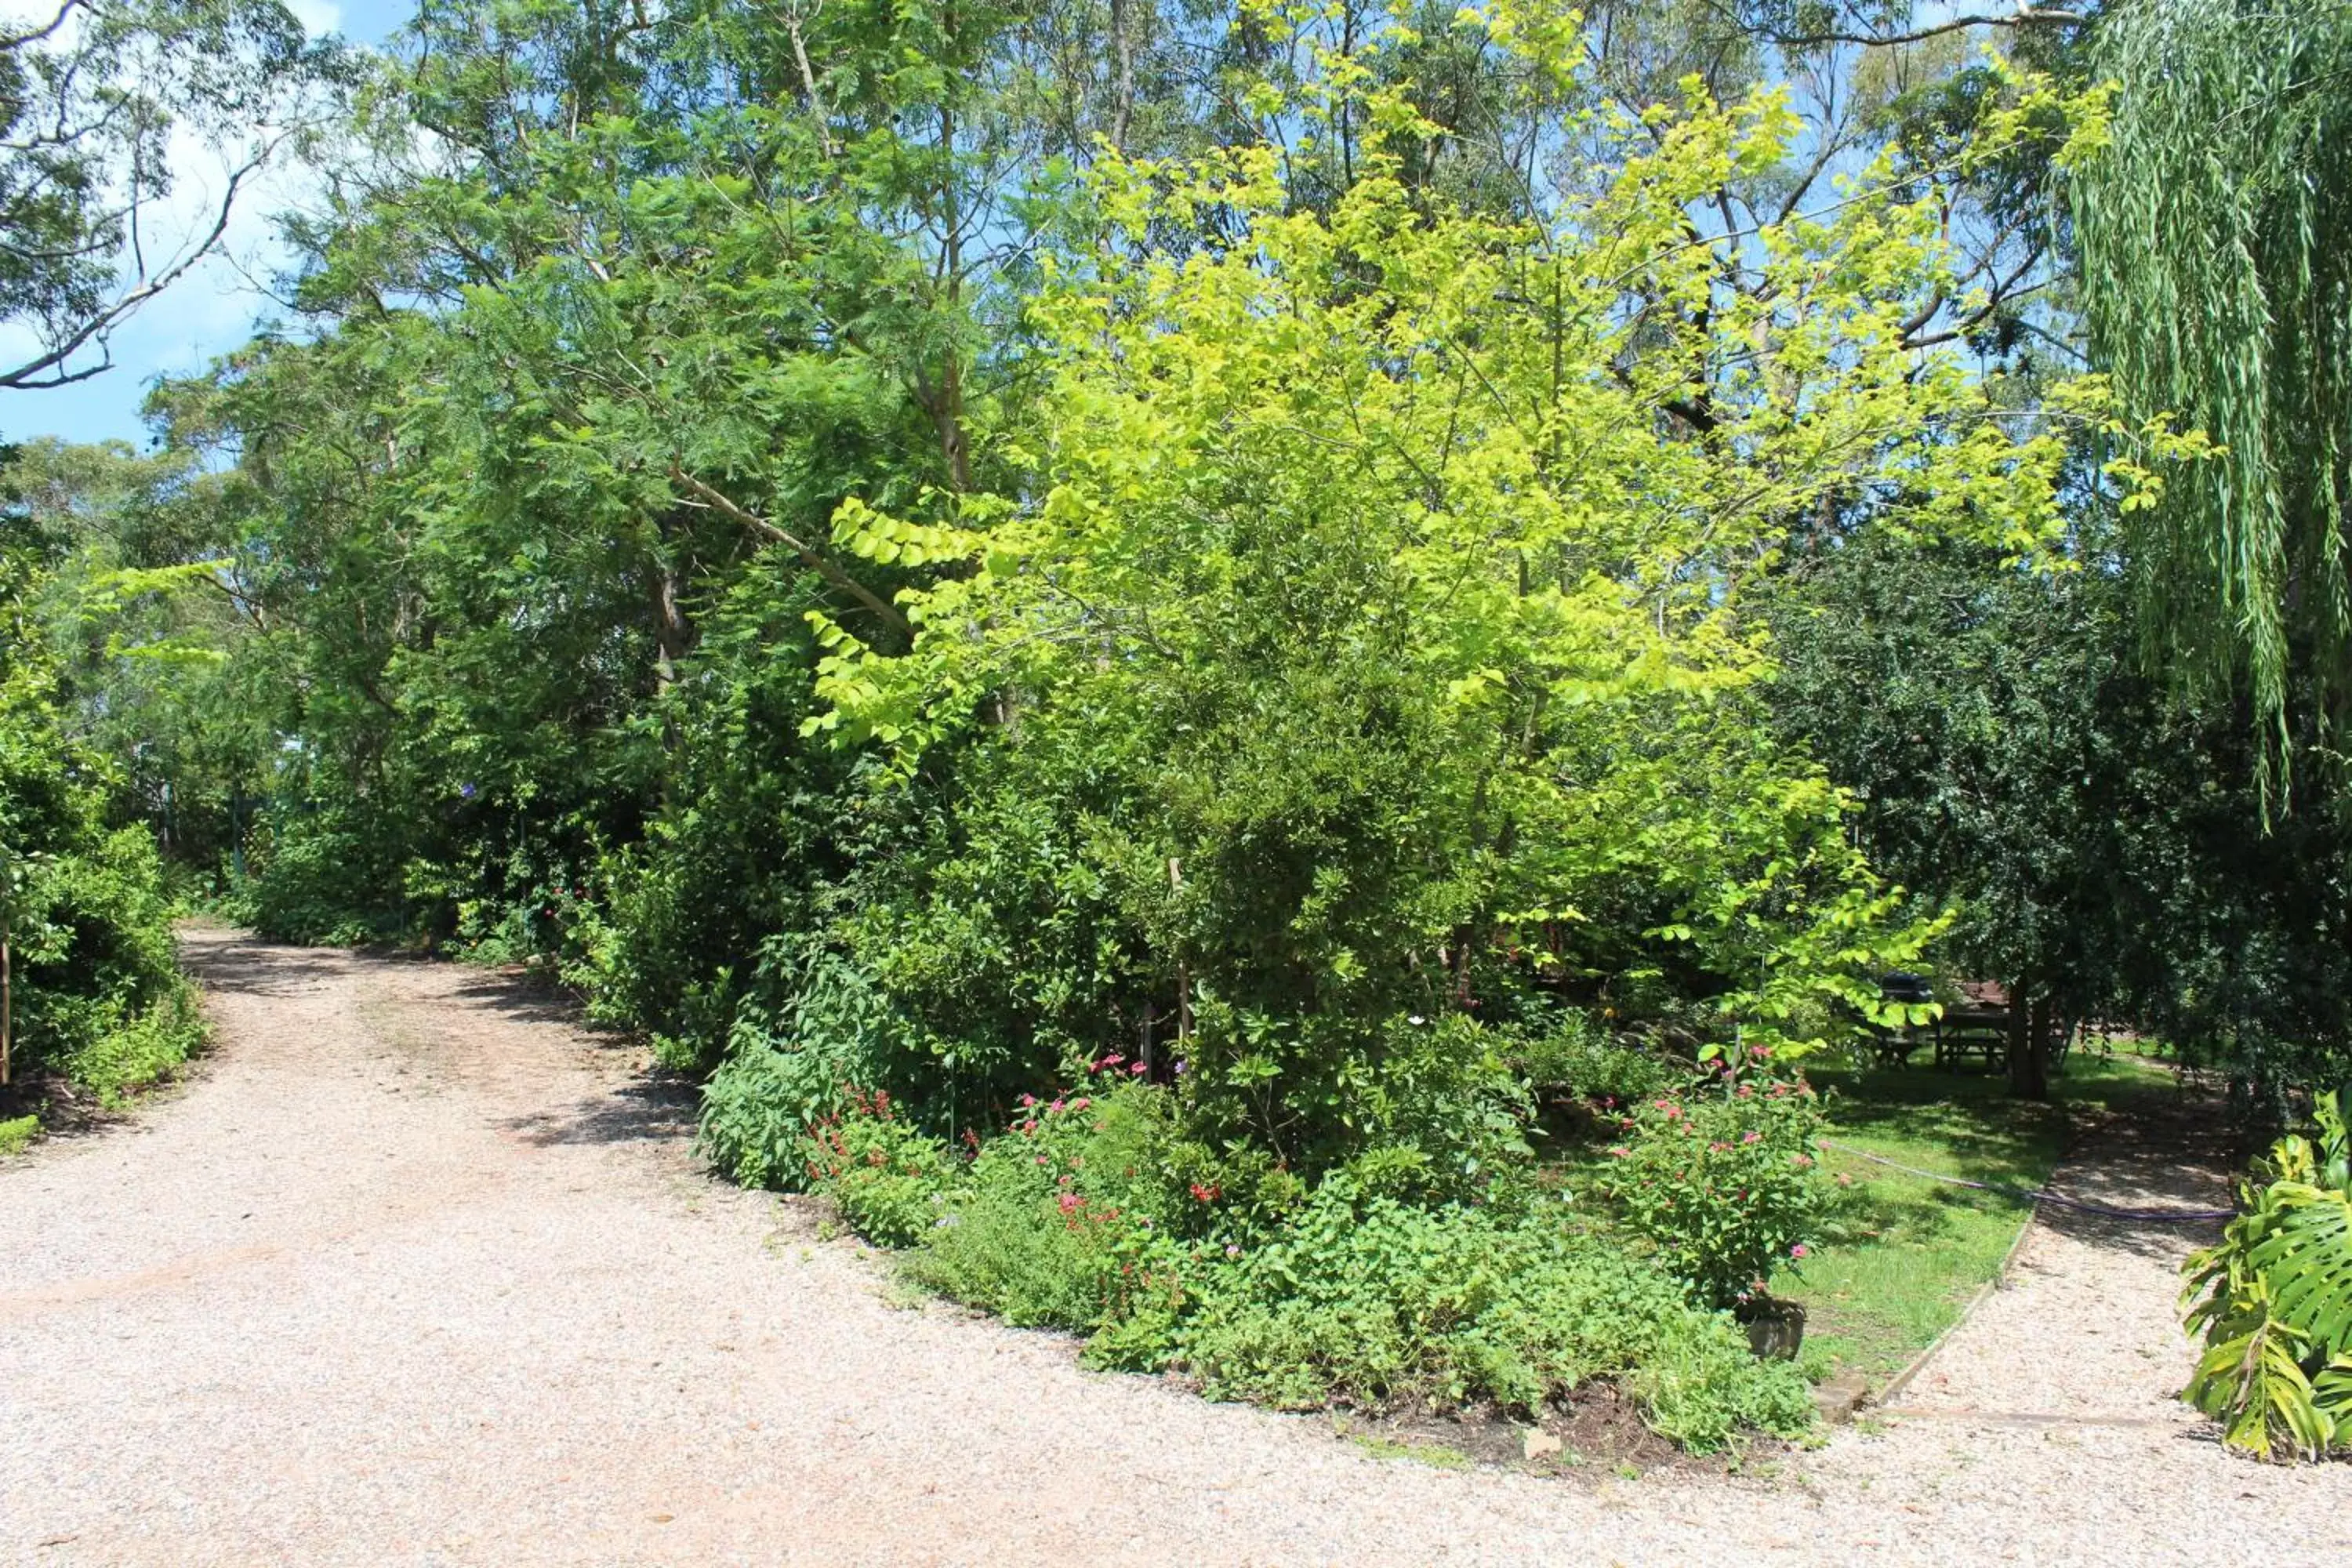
[[2215, 233]]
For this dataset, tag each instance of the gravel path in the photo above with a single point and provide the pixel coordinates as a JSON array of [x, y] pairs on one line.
[[413, 1272]]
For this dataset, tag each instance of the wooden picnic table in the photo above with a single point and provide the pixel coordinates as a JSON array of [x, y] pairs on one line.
[[1972, 1031], [1966, 1030]]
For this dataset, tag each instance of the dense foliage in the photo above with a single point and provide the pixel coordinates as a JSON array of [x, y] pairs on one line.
[[2009, 750], [2216, 214], [1090, 1214], [92, 992], [1333, 573]]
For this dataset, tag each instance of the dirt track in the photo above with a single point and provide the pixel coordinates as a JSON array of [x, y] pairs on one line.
[[413, 1272]]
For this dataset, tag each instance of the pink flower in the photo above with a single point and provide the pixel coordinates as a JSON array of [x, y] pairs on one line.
[[1620, 1152], [1802, 1162], [1069, 1203], [1799, 1250], [1751, 1136], [1080, 1103], [1138, 1067], [1716, 1148], [1028, 1100], [1055, 1106]]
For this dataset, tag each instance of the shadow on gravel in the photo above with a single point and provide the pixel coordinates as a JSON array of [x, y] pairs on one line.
[[652, 1110], [253, 969], [525, 1000], [2144, 1239], [2157, 1154]]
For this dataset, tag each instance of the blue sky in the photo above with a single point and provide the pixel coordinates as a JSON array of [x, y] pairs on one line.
[[209, 312]]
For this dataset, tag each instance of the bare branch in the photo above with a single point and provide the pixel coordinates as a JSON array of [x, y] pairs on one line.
[[48, 369], [2025, 15]]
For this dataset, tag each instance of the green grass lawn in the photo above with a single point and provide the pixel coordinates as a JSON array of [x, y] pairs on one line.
[[1904, 1255]]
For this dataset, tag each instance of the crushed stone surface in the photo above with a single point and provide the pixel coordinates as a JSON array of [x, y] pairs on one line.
[[414, 1271]]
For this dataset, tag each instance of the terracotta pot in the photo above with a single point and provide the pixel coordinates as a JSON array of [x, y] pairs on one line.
[[1775, 1328]]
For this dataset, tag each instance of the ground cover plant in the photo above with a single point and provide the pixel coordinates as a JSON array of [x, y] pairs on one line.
[[1093, 1213]]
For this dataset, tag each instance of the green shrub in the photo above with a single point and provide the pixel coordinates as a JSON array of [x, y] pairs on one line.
[[18, 1134], [97, 991], [2275, 1302], [1380, 1304], [1724, 1183], [1576, 1054], [1102, 1215], [153, 1045], [322, 873], [812, 1025], [890, 1179], [1064, 1222]]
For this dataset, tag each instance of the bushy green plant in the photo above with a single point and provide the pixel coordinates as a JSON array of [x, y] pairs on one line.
[[148, 1049], [790, 1061], [1723, 1182], [1054, 1225], [2273, 1301], [320, 874], [1574, 1052], [1381, 1304], [18, 1134], [890, 1179]]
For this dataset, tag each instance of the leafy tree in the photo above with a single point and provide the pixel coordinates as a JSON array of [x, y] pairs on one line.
[[1398, 563], [2011, 754]]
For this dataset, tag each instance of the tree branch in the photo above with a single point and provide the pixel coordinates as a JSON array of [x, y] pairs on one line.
[[2025, 16], [48, 369], [817, 561]]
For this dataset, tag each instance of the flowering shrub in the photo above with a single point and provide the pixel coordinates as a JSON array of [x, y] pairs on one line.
[[890, 1179], [1062, 1221], [1723, 1182]]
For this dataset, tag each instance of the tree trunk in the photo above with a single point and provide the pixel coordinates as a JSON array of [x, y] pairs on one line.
[[1122, 114], [669, 627], [2029, 1045]]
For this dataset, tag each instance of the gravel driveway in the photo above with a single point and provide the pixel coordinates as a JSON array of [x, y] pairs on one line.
[[413, 1272]]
